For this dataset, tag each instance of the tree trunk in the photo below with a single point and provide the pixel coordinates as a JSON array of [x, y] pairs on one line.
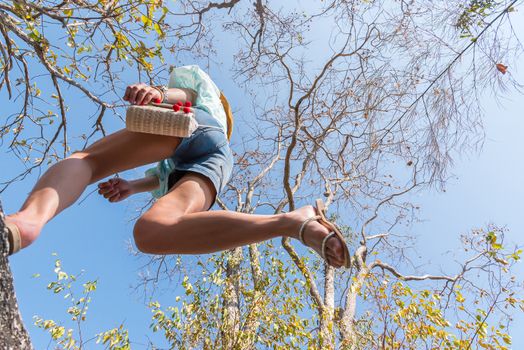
[[327, 332], [252, 322], [347, 327], [13, 334], [231, 311]]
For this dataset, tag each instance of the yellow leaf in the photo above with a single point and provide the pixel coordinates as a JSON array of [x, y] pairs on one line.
[[146, 20], [158, 30]]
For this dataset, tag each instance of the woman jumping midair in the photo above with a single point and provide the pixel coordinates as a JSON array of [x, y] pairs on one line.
[[190, 173]]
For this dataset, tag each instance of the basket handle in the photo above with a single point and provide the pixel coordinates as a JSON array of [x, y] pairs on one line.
[[163, 105]]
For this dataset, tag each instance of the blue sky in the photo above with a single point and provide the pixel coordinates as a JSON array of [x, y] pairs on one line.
[[94, 235]]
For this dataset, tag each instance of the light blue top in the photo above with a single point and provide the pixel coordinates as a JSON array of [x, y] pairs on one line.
[[208, 99], [208, 94]]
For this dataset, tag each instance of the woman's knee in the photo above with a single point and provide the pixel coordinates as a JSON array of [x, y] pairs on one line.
[[150, 232], [89, 161], [142, 235], [95, 161]]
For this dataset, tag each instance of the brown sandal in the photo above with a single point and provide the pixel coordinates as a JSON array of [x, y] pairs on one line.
[[15, 241], [321, 218]]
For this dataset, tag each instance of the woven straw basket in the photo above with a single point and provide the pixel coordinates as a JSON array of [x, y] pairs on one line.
[[160, 119]]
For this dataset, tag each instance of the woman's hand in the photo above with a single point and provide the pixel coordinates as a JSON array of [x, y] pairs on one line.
[[115, 189], [141, 94]]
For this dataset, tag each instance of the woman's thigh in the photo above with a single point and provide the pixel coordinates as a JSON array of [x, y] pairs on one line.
[[192, 193], [124, 150], [156, 227]]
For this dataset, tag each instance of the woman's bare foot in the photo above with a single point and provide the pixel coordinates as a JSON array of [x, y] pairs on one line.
[[29, 230], [314, 233]]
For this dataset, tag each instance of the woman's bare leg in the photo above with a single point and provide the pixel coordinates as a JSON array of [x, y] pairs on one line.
[[64, 182], [178, 223]]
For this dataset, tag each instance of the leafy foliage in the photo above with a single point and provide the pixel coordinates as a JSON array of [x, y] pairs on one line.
[[67, 334], [474, 15], [95, 43]]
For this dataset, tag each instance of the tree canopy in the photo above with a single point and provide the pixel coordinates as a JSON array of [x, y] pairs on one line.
[[362, 102]]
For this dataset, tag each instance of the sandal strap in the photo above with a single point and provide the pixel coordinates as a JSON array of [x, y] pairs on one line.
[[303, 226], [324, 244], [14, 238]]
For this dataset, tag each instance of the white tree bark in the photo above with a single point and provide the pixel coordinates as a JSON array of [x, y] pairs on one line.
[[231, 311], [327, 328]]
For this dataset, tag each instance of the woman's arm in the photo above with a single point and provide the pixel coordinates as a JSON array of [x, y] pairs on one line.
[[141, 94], [173, 95], [118, 189], [146, 184]]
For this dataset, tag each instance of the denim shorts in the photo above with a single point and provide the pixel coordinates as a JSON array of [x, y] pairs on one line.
[[206, 152]]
